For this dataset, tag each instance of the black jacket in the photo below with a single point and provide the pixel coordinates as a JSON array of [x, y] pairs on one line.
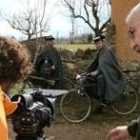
[[54, 57]]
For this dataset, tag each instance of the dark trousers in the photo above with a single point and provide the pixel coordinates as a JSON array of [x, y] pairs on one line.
[[100, 86]]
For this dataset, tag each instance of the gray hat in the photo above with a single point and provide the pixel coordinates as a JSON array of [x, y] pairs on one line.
[[50, 37]]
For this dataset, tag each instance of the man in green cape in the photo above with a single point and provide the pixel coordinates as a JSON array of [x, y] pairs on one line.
[[48, 64], [106, 70]]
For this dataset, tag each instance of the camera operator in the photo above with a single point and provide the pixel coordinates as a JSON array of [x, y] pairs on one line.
[[14, 66]]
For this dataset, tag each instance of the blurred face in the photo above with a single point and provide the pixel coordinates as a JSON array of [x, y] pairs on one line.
[[49, 43], [134, 33], [99, 44]]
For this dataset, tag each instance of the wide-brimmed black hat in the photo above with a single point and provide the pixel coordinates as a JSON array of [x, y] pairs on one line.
[[50, 37], [99, 38]]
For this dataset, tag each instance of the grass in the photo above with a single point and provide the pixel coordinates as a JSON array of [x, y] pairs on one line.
[[75, 47], [15, 89]]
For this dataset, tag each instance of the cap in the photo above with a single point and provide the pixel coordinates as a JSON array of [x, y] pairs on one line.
[[49, 37], [99, 38]]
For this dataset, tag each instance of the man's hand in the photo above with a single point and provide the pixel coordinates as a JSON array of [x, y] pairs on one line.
[[48, 70], [118, 133], [52, 67], [93, 73]]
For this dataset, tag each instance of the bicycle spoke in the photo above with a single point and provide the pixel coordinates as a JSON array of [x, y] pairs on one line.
[[127, 102], [77, 109]]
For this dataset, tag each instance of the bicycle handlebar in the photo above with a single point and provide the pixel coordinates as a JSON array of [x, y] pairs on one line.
[[83, 77], [52, 82]]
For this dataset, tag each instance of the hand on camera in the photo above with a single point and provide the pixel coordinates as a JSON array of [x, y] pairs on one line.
[[52, 67]]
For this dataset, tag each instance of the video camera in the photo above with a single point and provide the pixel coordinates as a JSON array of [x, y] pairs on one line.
[[34, 112]]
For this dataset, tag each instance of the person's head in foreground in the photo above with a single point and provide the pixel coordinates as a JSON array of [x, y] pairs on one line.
[[14, 63], [133, 23]]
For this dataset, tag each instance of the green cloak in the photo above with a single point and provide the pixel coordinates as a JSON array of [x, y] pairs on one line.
[[54, 57], [106, 63]]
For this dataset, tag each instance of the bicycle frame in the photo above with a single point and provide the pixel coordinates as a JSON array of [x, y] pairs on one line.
[[86, 84], [76, 106]]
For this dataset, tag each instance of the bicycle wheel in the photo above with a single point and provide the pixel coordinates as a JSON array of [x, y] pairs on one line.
[[77, 109], [64, 84], [127, 102]]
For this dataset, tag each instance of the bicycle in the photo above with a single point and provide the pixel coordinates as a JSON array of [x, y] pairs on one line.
[[35, 82], [56, 92], [80, 100]]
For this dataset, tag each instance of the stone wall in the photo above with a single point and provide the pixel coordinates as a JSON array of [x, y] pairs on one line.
[[120, 8]]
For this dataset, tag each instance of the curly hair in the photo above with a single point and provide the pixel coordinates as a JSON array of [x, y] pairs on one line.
[[14, 61]]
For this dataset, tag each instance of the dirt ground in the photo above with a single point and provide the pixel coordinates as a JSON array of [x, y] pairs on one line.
[[94, 128]]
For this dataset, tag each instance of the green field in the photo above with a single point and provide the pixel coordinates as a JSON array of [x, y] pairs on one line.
[[74, 47]]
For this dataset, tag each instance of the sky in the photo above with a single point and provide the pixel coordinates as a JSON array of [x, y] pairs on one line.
[[60, 23]]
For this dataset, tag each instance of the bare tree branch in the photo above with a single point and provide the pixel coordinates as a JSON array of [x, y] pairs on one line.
[[95, 7], [30, 22]]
